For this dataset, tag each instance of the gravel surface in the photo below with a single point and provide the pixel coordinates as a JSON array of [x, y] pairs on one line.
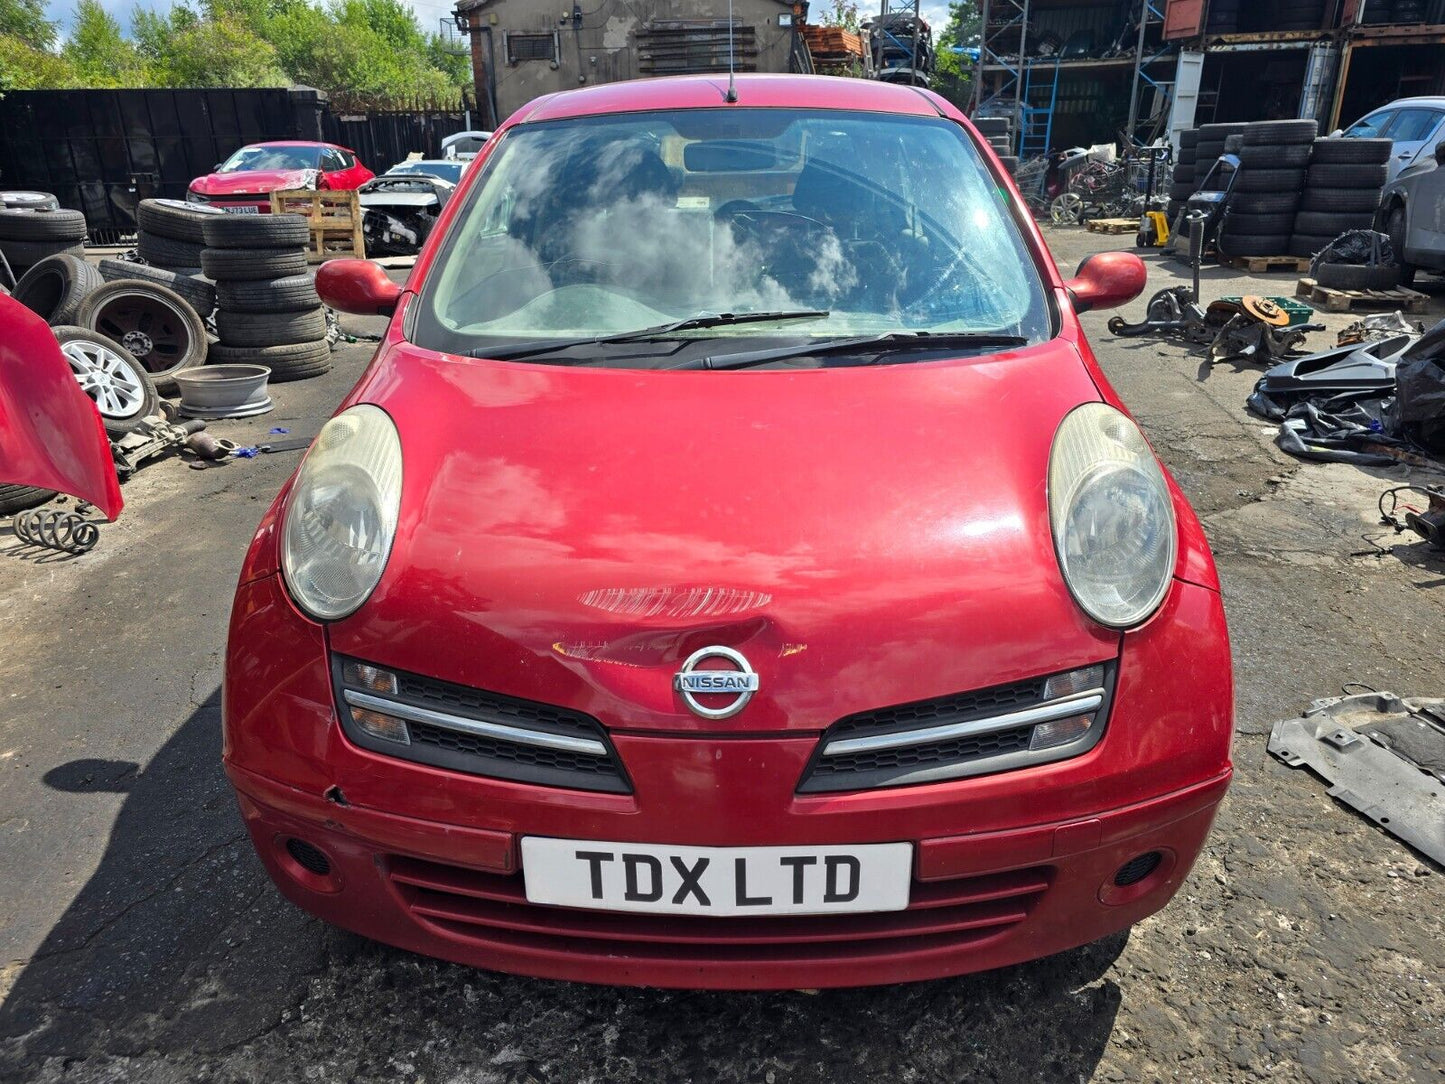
[[140, 940]]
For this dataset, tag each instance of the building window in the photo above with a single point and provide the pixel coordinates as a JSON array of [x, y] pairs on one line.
[[531, 47]]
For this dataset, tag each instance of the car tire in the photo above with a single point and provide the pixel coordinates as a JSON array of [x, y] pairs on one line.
[[167, 252], [1281, 133], [1304, 244], [296, 361], [1332, 223], [200, 293], [124, 401], [1188, 138], [1263, 203], [1182, 191], [296, 293], [22, 255], [1338, 151], [1269, 180], [21, 199], [270, 328], [1279, 223], [1395, 227], [1347, 176], [156, 326], [1010, 163], [1233, 143], [1340, 200], [1357, 276], [28, 224], [248, 264], [257, 231], [174, 218], [1182, 174], [1275, 156], [1233, 244], [55, 287], [18, 498], [1187, 161]]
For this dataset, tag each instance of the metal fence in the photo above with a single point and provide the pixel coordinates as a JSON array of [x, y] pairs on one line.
[[102, 151]]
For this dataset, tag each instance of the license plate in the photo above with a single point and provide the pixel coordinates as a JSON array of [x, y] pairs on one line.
[[717, 880], [243, 210]]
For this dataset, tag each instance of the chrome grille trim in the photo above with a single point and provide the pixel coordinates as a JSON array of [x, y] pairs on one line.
[[1079, 704], [516, 735]]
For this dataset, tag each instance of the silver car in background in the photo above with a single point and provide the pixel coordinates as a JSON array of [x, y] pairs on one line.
[[1415, 125], [1412, 212]]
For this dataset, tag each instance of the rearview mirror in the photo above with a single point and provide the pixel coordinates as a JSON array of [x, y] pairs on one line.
[[1107, 280], [358, 286]]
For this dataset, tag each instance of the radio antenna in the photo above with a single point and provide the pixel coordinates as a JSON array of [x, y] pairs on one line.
[[732, 94]]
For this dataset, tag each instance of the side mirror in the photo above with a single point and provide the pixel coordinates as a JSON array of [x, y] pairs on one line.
[[361, 287], [1107, 280], [217, 167], [1440, 153]]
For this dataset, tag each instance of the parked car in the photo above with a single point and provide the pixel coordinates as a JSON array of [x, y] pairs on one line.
[[465, 145], [243, 183], [400, 207], [1415, 124], [733, 570], [1412, 212]]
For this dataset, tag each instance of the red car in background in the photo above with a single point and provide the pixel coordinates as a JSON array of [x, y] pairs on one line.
[[243, 183], [733, 570]]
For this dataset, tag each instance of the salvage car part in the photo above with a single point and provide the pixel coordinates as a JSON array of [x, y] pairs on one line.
[[296, 361], [51, 437], [174, 219], [1067, 209], [256, 231], [57, 529], [1354, 368], [55, 287], [224, 391], [198, 291], [1428, 523], [1382, 755], [400, 209], [152, 437], [245, 264], [1378, 326], [295, 293], [270, 328], [116, 382], [1245, 336], [157, 326], [18, 498], [19, 198]]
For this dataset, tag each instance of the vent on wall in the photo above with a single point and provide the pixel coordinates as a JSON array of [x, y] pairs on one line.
[[522, 47], [684, 47]]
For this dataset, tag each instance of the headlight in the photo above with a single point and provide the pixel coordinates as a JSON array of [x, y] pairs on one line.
[[1112, 516], [196, 197], [341, 516]]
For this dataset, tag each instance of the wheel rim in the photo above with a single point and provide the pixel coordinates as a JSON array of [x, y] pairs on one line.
[[106, 377], [151, 328], [1067, 209]]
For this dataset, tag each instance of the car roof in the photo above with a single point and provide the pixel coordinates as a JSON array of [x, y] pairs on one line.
[[295, 143], [1424, 99], [757, 90]]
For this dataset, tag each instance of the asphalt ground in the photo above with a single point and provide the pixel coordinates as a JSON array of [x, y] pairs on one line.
[[140, 939]]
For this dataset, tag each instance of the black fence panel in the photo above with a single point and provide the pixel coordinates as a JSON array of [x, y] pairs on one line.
[[102, 151]]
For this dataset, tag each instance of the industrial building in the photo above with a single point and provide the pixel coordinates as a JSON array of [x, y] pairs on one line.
[[1077, 72]]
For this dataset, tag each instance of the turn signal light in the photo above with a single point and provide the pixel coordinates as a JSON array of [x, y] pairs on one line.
[[379, 725], [1060, 732], [371, 678]]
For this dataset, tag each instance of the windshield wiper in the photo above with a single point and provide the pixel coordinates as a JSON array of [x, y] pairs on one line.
[[880, 344], [691, 323]]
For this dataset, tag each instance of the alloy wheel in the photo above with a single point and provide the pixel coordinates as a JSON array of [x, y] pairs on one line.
[[106, 377]]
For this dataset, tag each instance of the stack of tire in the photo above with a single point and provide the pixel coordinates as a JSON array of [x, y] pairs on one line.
[[169, 242], [997, 131], [1182, 185], [1260, 217], [1342, 191], [1210, 146], [31, 230], [267, 309]]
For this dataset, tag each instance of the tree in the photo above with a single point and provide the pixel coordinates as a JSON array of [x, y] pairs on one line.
[[186, 49], [98, 51], [842, 13], [953, 70], [25, 21]]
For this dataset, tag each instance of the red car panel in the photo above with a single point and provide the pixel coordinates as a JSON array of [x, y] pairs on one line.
[[869, 536], [51, 435]]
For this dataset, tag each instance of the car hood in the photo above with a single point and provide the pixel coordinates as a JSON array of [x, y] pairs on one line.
[[864, 536], [255, 180]]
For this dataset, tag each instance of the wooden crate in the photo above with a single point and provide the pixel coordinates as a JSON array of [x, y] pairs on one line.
[[1257, 265], [1112, 225], [1333, 300], [333, 217]]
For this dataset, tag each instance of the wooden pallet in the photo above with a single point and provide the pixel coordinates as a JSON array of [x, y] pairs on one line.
[[1333, 300], [1112, 225], [333, 217], [1257, 265]]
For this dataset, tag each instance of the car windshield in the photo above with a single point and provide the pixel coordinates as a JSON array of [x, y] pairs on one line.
[[271, 156], [447, 171], [603, 225]]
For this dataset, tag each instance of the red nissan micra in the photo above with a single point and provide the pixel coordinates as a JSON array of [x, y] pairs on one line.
[[732, 571]]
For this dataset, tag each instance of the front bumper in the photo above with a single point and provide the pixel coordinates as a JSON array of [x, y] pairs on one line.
[[1007, 867]]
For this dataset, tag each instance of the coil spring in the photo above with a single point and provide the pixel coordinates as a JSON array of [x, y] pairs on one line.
[[57, 529]]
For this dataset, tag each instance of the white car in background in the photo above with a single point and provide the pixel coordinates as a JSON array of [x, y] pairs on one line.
[[1415, 124]]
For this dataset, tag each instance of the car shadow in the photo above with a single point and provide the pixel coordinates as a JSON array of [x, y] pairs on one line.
[[179, 948]]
